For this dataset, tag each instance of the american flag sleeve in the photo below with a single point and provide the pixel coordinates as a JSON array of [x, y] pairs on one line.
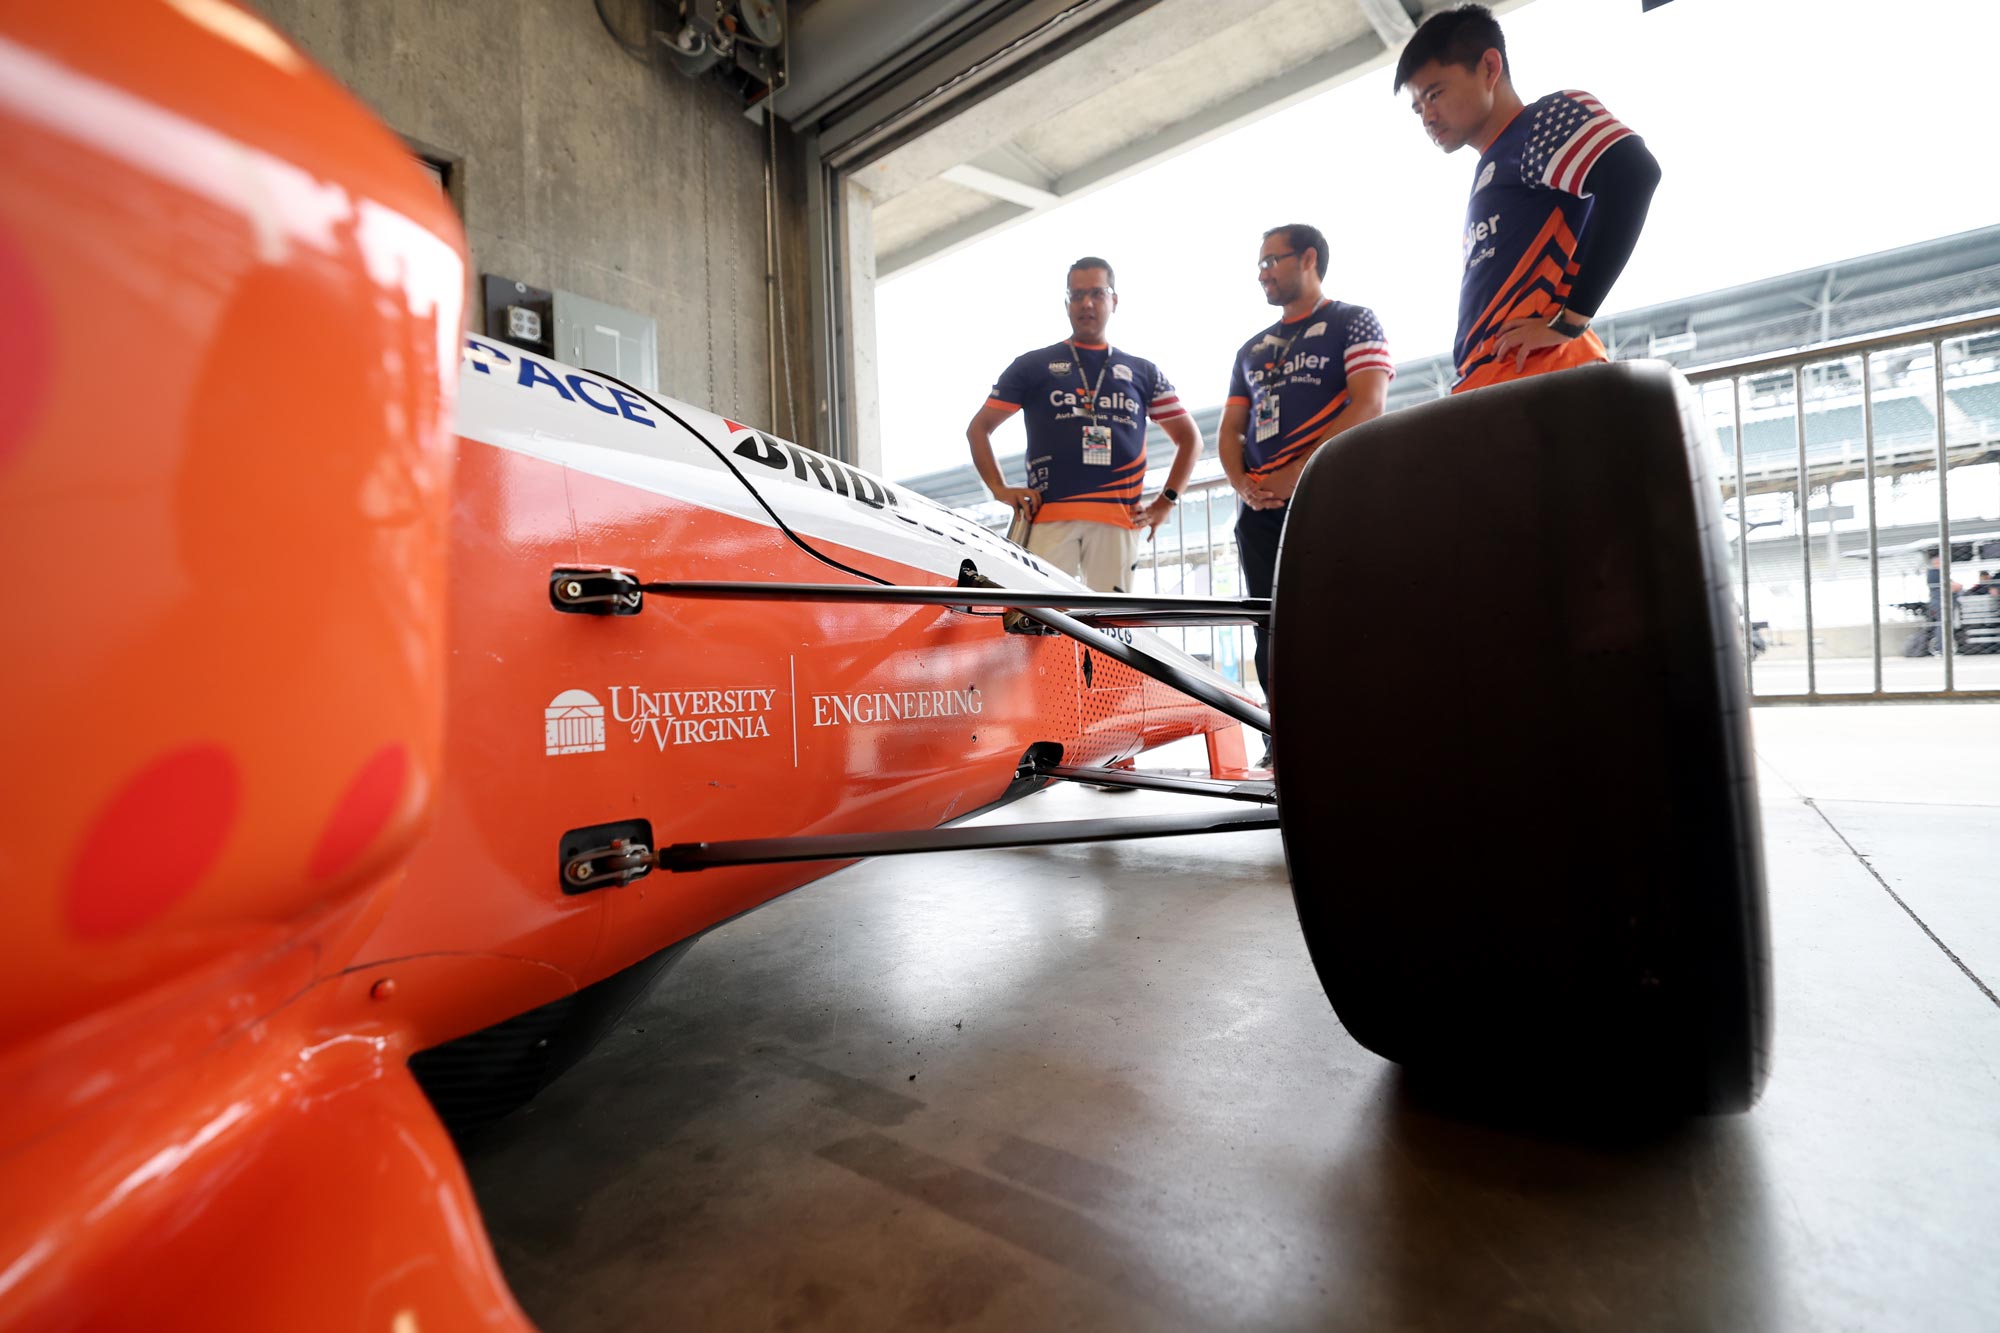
[[1569, 132], [1367, 348], [1165, 404]]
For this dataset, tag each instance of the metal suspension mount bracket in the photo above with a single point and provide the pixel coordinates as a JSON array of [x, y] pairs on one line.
[[595, 590], [615, 864], [605, 856], [1011, 620]]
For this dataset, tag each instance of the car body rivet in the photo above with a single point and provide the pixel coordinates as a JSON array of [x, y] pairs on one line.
[[572, 590], [383, 989], [580, 871]]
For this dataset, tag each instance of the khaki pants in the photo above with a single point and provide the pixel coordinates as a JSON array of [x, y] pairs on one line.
[[1099, 554]]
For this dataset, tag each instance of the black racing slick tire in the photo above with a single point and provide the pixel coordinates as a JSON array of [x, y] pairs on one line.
[[1514, 766]]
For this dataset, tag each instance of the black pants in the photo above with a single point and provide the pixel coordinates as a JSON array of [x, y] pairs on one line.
[[1257, 532]]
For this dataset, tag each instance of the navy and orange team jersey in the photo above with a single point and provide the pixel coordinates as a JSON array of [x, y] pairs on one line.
[[1079, 477], [1530, 204], [1293, 379]]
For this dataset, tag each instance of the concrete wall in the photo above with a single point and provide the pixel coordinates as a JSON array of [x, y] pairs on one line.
[[585, 170], [864, 405]]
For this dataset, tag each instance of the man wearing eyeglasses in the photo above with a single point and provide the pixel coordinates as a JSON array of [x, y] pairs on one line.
[[1086, 404], [1558, 200], [1323, 368]]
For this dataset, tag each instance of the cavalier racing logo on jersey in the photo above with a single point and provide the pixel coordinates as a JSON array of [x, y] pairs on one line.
[[1315, 331], [573, 723], [1485, 178]]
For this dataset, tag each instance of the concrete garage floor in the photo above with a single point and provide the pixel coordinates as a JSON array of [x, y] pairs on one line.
[[1099, 1088]]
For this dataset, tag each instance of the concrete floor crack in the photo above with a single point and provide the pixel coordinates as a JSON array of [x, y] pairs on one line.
[[1897, 898]]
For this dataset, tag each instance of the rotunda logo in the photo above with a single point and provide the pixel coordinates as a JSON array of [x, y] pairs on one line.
[[574, 723]]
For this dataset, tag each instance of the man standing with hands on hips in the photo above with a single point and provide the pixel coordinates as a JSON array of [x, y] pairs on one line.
[[1321, 369], [1086, 404], [1558, 200]]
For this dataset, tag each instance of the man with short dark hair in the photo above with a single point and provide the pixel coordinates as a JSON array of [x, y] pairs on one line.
[[1321, 369], [1558, 200], [1086, 405]]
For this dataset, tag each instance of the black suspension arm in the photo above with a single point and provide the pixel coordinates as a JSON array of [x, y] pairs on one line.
[[1167, 619], [1261, 790], [1039, 606], [688, 856], [1222, 701], [1227, 609]]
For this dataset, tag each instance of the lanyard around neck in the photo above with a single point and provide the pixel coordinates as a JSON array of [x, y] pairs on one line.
[[1286, 350], [1087, 386]]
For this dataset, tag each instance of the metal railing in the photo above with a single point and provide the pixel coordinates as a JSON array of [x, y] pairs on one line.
[[1815, 425], [1822, 386], [1194, 553]]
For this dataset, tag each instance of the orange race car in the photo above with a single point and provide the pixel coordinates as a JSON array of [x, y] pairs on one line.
[[391, 706]]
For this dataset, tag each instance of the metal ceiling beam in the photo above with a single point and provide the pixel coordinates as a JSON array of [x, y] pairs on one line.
[[1055, 88], [999, 186], [1007, 173], [1295, 85], [942, 242], [919, 158]]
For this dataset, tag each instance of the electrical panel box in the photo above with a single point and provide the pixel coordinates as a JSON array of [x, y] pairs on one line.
[[595, 336]]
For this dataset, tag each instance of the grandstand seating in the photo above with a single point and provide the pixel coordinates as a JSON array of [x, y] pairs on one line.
[[1980, 403], [1836, 430]]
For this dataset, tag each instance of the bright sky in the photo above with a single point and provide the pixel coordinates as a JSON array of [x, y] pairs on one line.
[[1790, 134]]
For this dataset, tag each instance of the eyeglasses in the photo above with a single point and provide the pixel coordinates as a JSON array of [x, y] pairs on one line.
[[1265, 263], [1077, 295]]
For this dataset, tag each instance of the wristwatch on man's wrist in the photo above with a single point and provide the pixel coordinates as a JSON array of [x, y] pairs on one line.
[[1170, 495], [1569, 326]]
